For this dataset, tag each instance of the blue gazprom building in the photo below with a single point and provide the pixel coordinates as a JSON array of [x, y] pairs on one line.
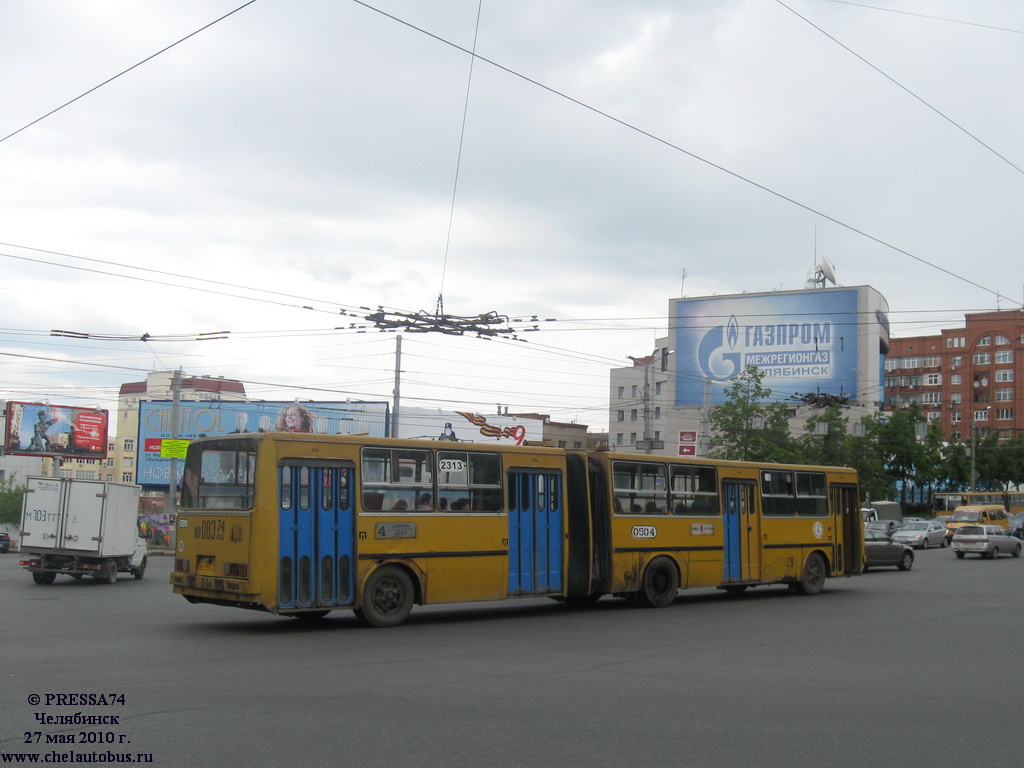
[[826, 341]]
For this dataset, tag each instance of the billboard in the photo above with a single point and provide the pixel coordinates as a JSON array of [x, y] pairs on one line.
[[802, 341], [467, 426], [41, 429], [208, 418]]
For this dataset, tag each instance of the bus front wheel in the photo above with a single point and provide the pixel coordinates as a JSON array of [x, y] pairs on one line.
[[813, 579], [387, 597], [660, 584]]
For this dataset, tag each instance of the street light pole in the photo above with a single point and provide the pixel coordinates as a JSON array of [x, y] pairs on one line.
[[974, 446]]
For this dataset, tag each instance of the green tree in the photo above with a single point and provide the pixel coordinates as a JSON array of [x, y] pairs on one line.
[[867, 458], [748, 427], [11, 496], [833, 447], [900, 447], [956, 466]]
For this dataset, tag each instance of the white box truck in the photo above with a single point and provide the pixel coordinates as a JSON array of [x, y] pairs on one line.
[[81, 528]]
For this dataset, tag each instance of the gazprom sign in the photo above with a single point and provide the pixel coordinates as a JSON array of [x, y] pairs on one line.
[[802, 341]]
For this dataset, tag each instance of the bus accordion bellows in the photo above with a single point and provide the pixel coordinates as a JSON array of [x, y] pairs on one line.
[[302, 524]]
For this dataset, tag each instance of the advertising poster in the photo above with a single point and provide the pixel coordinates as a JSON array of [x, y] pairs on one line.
[[805, 341], [467, 427], [42, 429], [204, 418]]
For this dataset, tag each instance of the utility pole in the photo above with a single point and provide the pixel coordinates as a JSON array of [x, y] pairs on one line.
[[171, 500], [397, 392], [646, 363], [704, 439]]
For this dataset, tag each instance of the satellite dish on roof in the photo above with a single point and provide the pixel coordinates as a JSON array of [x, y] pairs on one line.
[[826, 270]]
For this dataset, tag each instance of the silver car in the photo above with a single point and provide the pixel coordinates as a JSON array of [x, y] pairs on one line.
[[985, 540], [922, 534]]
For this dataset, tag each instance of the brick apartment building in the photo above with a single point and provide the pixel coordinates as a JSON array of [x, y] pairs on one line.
[[965, 378]]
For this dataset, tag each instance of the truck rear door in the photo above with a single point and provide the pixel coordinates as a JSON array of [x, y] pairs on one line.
[[41, 514]]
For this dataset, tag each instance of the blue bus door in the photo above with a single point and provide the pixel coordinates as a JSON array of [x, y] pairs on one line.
[[741, 533], [315, 530], [535, 540]]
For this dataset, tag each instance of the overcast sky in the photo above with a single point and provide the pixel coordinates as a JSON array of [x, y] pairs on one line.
[[296, 161]]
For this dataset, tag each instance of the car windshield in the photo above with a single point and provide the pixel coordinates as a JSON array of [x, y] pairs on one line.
[[966, 516], [915, 527]]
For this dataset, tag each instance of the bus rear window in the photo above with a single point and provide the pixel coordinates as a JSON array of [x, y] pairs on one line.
[[219, 476]]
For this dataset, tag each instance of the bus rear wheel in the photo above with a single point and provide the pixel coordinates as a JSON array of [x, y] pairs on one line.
[[813, 579], [387, 597], [660, 584]]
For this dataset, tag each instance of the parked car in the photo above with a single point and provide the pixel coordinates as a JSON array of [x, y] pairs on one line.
[[922, 534], [888, 527], [5, 542], [985, 540], [882, 550], [1017, 526]]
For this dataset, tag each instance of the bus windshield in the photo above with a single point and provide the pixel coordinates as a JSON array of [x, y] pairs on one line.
[[220, 476]]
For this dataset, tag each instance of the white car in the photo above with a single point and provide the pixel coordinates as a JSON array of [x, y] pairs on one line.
[[922, 534], [985, 540]]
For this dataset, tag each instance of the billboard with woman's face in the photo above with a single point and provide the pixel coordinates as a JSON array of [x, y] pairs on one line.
[[42, 429], [207, 418]]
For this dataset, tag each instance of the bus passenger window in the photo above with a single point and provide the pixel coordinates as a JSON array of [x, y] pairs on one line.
[[811, 494], [777, 493]]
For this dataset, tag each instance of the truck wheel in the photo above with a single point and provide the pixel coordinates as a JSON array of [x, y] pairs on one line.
[[137, 572], [44, 578], [108, 573]]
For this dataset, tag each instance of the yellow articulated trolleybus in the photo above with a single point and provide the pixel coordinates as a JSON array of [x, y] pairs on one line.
[[301, 525]]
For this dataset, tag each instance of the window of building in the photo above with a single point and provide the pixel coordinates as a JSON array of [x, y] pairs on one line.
[[934, 415], [984, 341], [932, 361], [127, 461], [892, 363], [910, 362], [633, 414], [657, 387], [1004, 375], [956, 341], [982, 358], [129, 444], [657, 412], [932, 379], [126, 477], [1004, 395], [932, 398], [620, 415], [956, 379], [956, 361], [957, 417], [955, 434], [956, 397], [1004, 414], [1000, 339], [619, 438], [981, 415], [633, 391], [1004, 356], [622, 392]]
